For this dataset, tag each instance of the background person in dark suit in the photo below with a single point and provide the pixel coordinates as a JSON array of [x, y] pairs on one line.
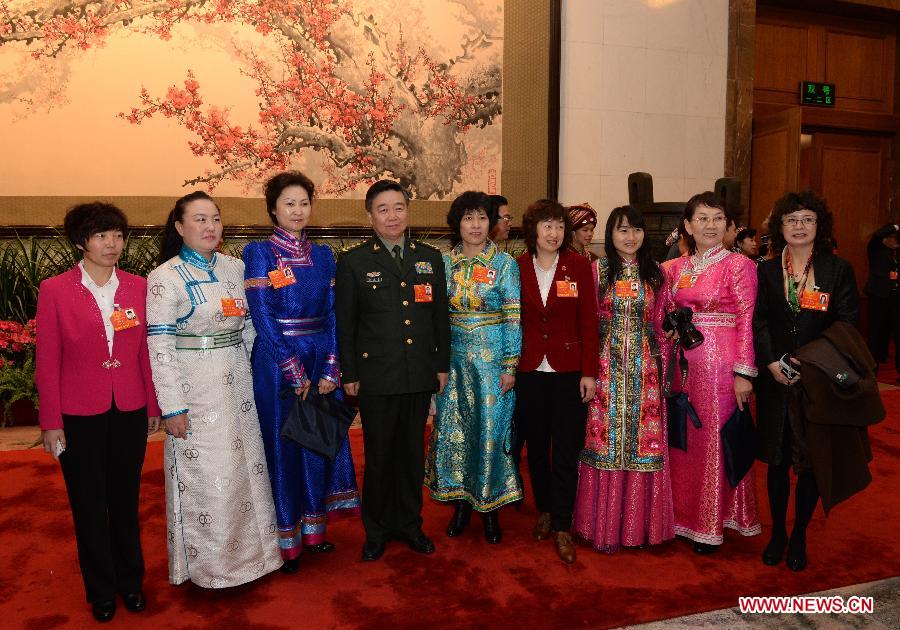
[[884, 296], [558, 368], [794, 288], [394, 338]]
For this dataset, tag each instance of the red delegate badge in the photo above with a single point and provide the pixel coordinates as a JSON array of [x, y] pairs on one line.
[[423, 293], [123, 319], [627, 288], [484, 275], [282, 277], [814, 300], [566, 289], [233, 307], [687, 280]]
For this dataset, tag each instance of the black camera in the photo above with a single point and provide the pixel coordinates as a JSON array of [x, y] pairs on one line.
[[679, 321]]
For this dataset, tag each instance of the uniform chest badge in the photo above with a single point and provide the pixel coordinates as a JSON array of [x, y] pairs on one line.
[[373, 276], [424, 267]]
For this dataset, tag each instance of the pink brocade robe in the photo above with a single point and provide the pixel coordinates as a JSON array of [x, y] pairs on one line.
[[722, 298], [624, 496]]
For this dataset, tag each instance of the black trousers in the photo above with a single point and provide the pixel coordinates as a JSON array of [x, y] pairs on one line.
[[884, 325], [394, 441], [553, 417], [102, 468]]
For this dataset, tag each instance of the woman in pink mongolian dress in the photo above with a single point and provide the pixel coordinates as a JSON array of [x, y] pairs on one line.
[[624, 494], [719, 286]]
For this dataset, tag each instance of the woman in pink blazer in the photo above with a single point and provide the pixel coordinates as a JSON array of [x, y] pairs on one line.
[[97, 403]]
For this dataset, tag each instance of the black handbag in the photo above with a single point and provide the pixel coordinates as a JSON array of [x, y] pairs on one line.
[[738, 445], [319, 423]]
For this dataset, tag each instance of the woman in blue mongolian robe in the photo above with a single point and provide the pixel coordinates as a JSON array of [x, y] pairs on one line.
[[469, 459], [290, 289]]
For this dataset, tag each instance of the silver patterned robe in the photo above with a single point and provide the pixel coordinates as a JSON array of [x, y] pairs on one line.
[[220, 516]]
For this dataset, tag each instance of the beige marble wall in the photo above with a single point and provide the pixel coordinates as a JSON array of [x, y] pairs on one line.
[[643, 88]]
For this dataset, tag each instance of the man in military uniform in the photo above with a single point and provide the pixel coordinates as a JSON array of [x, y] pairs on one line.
[[394, 338]]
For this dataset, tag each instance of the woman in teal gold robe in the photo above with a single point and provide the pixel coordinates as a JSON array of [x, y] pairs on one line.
[[469, 461]]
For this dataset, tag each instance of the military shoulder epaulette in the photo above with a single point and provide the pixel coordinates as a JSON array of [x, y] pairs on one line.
[[350, 248], [428, 245]]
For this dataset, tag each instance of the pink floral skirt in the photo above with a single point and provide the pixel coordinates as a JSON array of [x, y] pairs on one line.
[[616, 508]]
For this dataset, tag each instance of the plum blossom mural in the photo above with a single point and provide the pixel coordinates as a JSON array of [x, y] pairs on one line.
[[351, 90]]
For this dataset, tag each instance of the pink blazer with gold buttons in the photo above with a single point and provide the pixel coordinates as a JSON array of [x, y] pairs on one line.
[[75, 373]]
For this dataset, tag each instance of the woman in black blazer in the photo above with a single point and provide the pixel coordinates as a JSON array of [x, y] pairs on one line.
[[801, 293]]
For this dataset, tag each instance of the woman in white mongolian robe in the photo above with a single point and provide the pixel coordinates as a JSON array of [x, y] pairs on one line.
[[220, 516]]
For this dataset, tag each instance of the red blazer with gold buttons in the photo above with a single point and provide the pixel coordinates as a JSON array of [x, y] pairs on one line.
[[75, 374], [565, 331]]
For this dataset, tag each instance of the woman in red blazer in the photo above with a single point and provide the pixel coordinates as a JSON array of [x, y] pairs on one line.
[[97, 402], [558, 368]]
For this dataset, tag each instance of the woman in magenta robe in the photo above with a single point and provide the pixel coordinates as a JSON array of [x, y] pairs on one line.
[[719, 286]]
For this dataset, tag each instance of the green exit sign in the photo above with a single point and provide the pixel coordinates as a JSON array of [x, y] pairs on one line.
[[812, 93]]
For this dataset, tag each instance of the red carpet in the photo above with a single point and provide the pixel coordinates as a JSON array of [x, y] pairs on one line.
[[466, 583]]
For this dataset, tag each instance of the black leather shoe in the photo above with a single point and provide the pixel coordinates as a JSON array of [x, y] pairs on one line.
[[104, 611], [796, 555], [372, 551], [460, 519], [491, 522], [135, 602], [322, 547], [773, 554], [704, 549], [420, 543], [291, 566]]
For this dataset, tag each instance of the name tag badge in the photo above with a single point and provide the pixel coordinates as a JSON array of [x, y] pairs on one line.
[[373, 277], [814, 300], [282, 277], [123, 319], [424, 267], [566, 289], [892, 275], [686, 281], [627, 288], [423, 293], [484, 275], [233, 307]]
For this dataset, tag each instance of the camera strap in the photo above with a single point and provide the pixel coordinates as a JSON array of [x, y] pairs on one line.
[[677, 356]]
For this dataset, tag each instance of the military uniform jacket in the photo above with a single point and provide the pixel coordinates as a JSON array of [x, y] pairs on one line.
[[391, 339]]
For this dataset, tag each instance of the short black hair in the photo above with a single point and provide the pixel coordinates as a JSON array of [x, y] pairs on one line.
[[383, 185], [498, 200], [806, 200], [745, 232], [86, 219], [276, 184], [710, 200], [544, 210], [467, 203]]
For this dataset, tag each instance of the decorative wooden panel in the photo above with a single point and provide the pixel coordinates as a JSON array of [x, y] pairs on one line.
[[774, 161], [861, 65]]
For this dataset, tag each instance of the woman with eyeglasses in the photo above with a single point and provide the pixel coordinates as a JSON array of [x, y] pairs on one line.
[[789, 314], [719, 286]]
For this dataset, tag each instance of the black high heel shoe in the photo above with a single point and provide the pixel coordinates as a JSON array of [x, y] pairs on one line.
[[291, 566], [704, 549], [322, 547], [460, 519], [773, 554], [491, 522], [796, 555]]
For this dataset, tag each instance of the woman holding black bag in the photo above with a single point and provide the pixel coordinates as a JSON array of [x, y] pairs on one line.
[[719, 288], [802, 292], [290, 289]]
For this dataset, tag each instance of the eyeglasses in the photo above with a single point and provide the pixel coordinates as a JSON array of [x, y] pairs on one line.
[[795, 221], [709, 220], [507, 219]]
